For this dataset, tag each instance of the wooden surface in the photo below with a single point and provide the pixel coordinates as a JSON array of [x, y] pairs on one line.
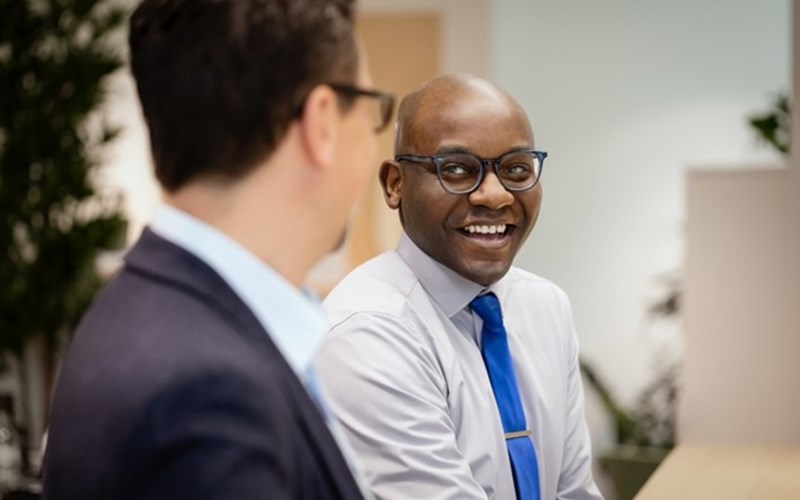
[[694, 472]]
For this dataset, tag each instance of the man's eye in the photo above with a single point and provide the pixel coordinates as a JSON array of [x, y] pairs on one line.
[[456, 169], [517, 169]]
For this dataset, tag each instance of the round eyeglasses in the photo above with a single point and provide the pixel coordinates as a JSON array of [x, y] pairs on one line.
[[462, 173]]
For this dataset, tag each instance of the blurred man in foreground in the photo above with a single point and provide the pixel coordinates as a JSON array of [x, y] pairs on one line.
[[189, 378]]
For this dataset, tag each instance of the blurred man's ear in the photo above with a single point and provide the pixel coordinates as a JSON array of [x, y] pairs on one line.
[[391, 178], [318, 125]]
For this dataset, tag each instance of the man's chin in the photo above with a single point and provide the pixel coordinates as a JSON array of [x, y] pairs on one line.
[[486, 273]]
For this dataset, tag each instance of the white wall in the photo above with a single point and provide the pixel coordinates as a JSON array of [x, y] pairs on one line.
[[625, 95]]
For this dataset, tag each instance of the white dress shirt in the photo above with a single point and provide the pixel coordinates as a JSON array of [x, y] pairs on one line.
[[403, 372]]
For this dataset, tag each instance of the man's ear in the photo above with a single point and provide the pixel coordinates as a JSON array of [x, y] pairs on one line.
[[319, 125], [391, 178]]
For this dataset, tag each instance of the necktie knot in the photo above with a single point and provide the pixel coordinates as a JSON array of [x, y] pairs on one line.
[[488, 308]]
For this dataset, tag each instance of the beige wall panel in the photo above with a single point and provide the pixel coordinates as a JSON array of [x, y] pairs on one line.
[[795, 151], [741, 372], [403, 52]]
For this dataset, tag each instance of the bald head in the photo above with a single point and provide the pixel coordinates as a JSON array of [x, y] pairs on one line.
[[459, 96]]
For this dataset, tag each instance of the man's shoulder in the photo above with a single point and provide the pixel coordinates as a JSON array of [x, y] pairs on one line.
[[522, 283], [380, 285], [164, 330]]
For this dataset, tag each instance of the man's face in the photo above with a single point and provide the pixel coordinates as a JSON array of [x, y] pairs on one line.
[[358, 153], [441, 223]]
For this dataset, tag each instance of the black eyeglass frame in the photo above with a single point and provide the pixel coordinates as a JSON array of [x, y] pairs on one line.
[[385, 99], [439, 160]]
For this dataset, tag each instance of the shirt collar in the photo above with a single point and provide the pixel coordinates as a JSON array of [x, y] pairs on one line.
[[451, 291], [293, 318]]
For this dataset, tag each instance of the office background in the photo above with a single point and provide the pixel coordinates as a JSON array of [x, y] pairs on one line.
[[628, 97]]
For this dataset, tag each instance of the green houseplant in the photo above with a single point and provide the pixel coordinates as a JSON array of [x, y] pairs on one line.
[[55, 58], [772, 126], [644, 434]]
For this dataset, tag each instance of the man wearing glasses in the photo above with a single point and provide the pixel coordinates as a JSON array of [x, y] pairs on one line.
[[189, 377], [455, 374]]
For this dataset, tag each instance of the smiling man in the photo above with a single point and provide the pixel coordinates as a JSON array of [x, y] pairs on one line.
[[455, 374]]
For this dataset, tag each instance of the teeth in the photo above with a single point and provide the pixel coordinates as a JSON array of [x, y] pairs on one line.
[[495, 229]]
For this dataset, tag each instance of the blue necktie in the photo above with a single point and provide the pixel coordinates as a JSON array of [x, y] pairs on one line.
[[506, 394]]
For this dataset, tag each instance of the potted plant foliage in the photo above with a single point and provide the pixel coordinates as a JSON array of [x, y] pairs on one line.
[[644, 434], [772, 127], [55, 58]]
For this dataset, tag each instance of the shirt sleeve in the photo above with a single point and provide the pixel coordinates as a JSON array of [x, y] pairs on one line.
[[575, 481], [387, 389]]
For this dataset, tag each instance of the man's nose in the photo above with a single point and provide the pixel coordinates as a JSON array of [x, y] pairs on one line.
[[491, 193]]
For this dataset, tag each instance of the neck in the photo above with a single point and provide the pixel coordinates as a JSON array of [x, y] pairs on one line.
[[264, 214]]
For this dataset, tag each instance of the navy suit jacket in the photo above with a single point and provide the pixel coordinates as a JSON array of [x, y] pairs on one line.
[[172, 389]]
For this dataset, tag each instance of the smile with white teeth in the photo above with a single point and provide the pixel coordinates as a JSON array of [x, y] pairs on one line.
[[494, 229]]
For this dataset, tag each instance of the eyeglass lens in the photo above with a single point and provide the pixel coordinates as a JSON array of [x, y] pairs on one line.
[[461, 173]]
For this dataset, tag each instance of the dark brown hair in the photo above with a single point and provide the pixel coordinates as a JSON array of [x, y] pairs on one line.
[[221, 80]]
